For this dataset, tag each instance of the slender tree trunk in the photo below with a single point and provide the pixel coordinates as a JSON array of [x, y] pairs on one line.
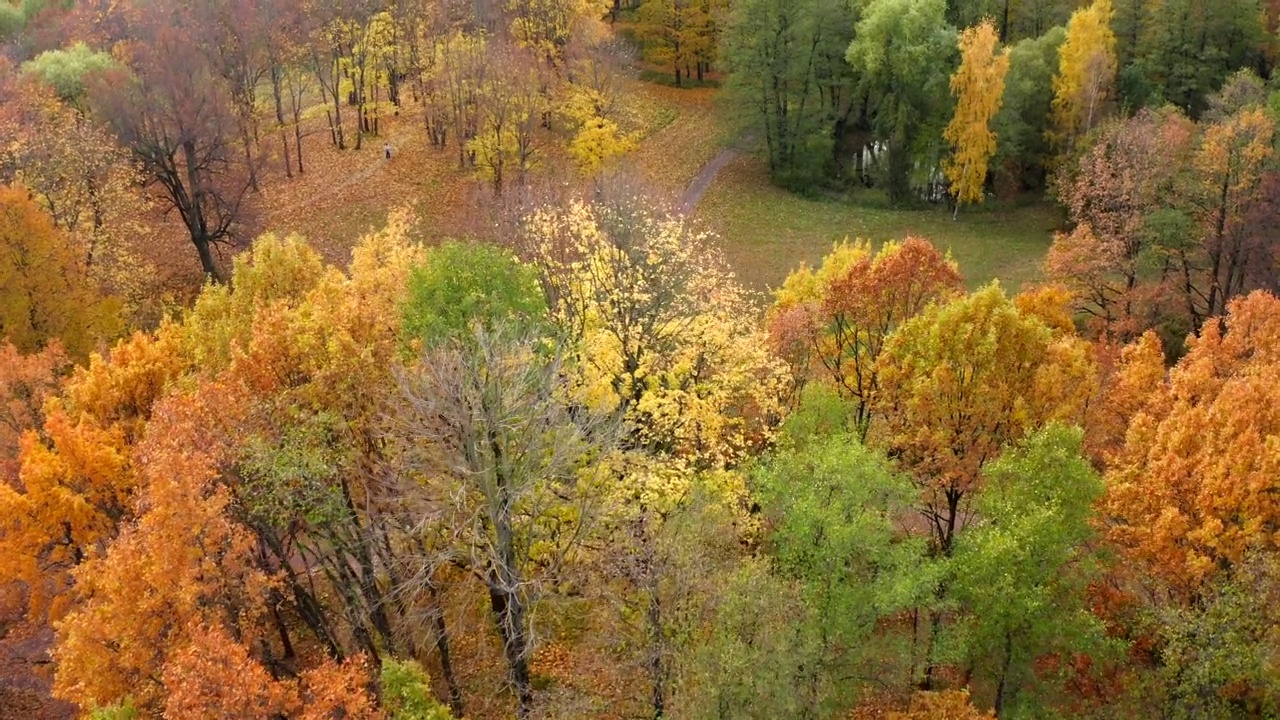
[[935, 626], [248, 158], [1004, 674], [446, 656], [95, 202], [337, 106], [657, 670], [504, 589], [277, 94]]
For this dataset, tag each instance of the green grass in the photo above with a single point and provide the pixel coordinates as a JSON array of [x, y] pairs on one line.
[[766, 231]]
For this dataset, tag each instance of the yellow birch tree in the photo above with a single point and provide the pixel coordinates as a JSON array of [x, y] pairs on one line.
[[978, 86], [1086, 73]]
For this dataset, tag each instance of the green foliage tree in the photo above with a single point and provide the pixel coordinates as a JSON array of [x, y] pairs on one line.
[[789, 77], [66, 70], [1022, 125], [464, 283], [1186, 49], [406, 692], [124, 710], [1022, 571], [902, 54], [12, 21], [1218, 656], [756, 643], [833, 509]]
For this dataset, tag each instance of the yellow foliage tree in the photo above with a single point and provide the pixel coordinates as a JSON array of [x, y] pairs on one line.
[[45, 290], [978, 85], [678, 34], [546, 26], [663, 335], [83, 179], [1086, 73], [598, 138], [663, 329], [510, 106]]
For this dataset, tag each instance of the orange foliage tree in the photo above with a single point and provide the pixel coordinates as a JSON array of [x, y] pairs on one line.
[[187, 535], [26, 381], [1234, 159], [76, 480], [948, 705], [1111, 259], [1192, 489], [960, 382], [181, 564], [837, 325]]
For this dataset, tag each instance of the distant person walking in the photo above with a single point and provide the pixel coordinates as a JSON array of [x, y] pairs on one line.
[[386, 150]]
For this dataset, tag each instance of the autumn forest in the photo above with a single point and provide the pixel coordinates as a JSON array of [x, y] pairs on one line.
[[688, 359]]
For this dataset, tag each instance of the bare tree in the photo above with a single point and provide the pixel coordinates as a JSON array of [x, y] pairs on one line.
[[172, 114], [509, 465]]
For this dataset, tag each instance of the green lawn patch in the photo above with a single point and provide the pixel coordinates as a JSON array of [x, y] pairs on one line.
[[766, 231]]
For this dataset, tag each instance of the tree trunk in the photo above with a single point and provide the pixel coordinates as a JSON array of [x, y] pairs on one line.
[[1004, 674], [935, 624], [205, 249], [248, 158], [657, 672], [337, 107], [277, 93], [509, 613], [446, 661], [504, 589]]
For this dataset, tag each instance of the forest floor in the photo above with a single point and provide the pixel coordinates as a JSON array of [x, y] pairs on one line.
[[691, 154]]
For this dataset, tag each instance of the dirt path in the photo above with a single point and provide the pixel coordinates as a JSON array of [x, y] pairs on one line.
[[693, 194]]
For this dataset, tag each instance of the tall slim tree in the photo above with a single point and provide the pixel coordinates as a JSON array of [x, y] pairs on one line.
[[1086, 73], [978, 86], [504, 457], [900, 54]]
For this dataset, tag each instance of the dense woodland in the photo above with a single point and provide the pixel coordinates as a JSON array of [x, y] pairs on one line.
[[566, 465]]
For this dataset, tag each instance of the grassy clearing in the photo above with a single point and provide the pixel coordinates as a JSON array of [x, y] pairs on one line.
[[766, 231]]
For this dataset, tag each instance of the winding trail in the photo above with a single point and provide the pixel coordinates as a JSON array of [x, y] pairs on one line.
[[707, 175]]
